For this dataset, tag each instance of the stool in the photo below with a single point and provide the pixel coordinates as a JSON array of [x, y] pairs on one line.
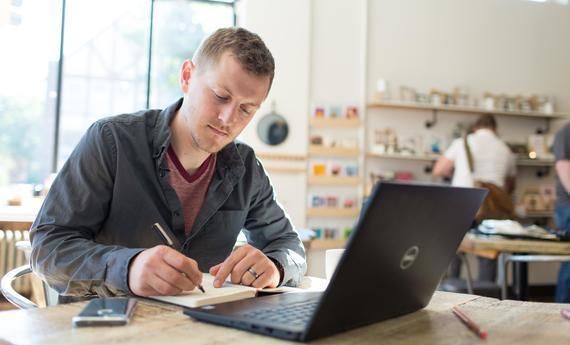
[[505, 258], [482, 288]]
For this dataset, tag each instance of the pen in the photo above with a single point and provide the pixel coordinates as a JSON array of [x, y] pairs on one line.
[[170, 242], [469, 323]]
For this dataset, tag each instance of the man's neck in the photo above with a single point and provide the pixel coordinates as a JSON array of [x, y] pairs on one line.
[[486, 130], [190, 156]]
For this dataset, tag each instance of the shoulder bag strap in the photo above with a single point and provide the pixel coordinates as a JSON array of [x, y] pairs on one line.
[[469, 155]]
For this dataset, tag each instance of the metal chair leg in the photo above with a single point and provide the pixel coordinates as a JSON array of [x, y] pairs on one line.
[[502, 274], [469, 276]]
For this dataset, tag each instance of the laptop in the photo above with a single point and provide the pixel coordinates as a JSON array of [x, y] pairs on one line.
[[405, 238]]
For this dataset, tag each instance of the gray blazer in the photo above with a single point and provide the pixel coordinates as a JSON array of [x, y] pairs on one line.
[[99, 211]]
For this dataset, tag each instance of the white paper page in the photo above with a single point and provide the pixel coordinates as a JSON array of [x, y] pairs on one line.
[[196, 298]]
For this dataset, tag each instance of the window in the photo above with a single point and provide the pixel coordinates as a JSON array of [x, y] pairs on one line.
[[104, 65], [179, 27], [105, 72], [29, 35]]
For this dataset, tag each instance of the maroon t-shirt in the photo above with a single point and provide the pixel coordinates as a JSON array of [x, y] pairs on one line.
[[191, 189]]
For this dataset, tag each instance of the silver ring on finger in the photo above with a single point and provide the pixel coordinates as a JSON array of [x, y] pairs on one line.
[[253, 273]]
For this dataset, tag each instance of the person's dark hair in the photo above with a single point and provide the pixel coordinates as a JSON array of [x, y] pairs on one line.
[[486, 121], [246, 47]]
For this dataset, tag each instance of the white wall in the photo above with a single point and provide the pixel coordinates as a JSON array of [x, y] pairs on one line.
[[338, 51], [335, 50], [290, 46], [510, 46], [285, 28]]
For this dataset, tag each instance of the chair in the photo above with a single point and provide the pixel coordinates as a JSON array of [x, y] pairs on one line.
[[505, 258], [458, 284], [468, 285], [45, 294], [12, 295]]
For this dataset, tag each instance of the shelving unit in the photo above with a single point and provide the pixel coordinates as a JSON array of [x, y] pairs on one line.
[[536, 162], [425, 157], [540, 214], [459, 109], [467, 110], [334, 123], [332, 212], [434, 157], [334, 180], [323, 151], [542, 166], [338, 217], [324, 244]]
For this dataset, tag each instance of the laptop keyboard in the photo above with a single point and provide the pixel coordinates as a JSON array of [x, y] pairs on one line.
[[292, 314]]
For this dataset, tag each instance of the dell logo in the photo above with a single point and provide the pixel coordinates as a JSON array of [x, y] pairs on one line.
[[409, 257]]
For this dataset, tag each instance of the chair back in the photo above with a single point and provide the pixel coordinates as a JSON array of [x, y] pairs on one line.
[[44, 295]]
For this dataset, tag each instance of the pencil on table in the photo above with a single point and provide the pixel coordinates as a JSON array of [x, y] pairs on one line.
[[469, 323]]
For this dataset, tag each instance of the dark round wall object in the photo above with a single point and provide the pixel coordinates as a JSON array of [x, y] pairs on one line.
[[272, 129]]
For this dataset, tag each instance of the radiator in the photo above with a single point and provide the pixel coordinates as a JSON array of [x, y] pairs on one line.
[[11, 257]]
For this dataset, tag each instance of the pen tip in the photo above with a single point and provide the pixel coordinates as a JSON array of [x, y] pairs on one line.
[[201, 288], [483, 335]]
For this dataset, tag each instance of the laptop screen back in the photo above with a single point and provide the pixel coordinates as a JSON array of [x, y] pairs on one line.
[[397, 254]]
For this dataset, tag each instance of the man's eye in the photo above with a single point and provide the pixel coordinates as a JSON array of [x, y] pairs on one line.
[[221, 98], [245, 112]]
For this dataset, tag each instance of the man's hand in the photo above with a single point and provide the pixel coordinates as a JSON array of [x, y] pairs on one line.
[[162, 270], [247, 266]]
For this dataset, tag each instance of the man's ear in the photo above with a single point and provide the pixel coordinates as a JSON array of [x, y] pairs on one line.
[[186, 74]]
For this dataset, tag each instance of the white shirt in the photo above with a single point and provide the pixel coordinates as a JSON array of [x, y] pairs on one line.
[[492, 159]]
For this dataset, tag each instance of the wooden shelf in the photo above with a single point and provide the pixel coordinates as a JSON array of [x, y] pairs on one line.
[[424, 157], [434, 157], [327, 122], [325, 244], [460, 109], [319, 150], [333, 212], [334, 180], [279, 156], [284, 170], [535, 162], [540, 214]]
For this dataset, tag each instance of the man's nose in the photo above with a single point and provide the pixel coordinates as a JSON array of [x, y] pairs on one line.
[[228, 114]]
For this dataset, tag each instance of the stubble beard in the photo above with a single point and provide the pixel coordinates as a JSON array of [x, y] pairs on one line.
[[199, 144], [198, 141]]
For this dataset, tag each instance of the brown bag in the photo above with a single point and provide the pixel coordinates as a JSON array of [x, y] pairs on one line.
[[498, 203]]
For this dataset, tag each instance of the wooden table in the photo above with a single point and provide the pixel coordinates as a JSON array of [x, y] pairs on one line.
[[475, 243], [19, 217], [496, 246], [507, 322]]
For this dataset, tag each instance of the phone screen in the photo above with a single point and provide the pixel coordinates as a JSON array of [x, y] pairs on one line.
[[105, 312]]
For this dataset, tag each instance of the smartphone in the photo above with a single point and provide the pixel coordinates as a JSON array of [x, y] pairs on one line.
[[105, 312]]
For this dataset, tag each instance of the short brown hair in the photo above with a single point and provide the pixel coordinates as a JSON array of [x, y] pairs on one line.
[[247, 48], [486, 121]]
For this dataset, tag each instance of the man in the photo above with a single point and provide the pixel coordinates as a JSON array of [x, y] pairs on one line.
[[492, 161], [561, 150], [181, 168]]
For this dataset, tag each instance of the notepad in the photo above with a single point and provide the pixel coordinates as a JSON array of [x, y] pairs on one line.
[[233, 292], [196, 298]]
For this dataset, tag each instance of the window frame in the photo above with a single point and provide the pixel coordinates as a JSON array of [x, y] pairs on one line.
[[60, 65]]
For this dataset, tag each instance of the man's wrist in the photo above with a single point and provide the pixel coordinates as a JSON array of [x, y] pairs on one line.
[[279, 268], [129, 264]]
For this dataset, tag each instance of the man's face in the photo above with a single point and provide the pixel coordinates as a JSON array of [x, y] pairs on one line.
[[219, 101]]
